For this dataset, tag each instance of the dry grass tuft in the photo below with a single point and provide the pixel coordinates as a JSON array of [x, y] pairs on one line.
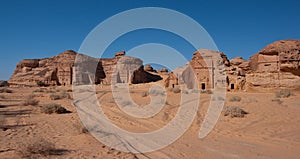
[[145, 94], [62, 95], [235, 99], [54, 108], [30, 101], [234, 111], [284, 93], [37, 148]]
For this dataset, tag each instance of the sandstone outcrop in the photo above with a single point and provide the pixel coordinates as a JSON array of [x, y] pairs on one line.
[[277, 65], [64, 70], [149, 68], [3, 83], [141, 76]]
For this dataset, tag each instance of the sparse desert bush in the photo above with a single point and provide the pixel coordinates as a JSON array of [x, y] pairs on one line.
[[145, 94], [31, 101], [277, 100], [41, 90], [206, 91], [54, 97], [37, 148], [57, 96], [41, 84], [185, 92], [81, 128], [284, 93], [54, 108], [69, 90], [5, 90], [235, 99], [234, 111]]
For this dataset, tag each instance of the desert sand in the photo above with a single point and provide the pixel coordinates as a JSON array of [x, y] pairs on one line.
[[271, 129]]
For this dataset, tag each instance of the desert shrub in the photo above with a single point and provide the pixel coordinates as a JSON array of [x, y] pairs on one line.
[[69, 90], [31, 101], [41, 84], [41, 90], [65, 95], [234, 111], [277, 100], [235, 99], [5, 90], [54, 108], [284, 93], [185, 92], [206, 91], [80, 128], [54, 97], [145, 94], [57, 96], [37, 148], [176, 90]]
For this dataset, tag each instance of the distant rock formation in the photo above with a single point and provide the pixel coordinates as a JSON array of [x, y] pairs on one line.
[[141, 76], [277, 65], [61, 70], [149, 68]]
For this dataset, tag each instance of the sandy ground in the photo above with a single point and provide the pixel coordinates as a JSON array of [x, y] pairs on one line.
[[270, 130]]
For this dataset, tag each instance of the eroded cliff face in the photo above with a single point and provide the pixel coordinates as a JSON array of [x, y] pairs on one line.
[[63, 70], [277, 65], [52, 71]]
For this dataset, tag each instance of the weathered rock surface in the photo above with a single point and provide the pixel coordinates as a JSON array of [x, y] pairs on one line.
[[3, 83], [277, 65], [61, 70], [141, 76], [149, 68]]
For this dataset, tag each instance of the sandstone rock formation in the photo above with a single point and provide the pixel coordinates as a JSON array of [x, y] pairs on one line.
[[205, 70], [141, 76], [3, 83], [61, 70], [171, 80], [277, 65], [149, 68], [163, 70]]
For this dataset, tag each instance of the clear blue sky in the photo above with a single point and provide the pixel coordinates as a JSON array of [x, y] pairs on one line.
[[40, 28]]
